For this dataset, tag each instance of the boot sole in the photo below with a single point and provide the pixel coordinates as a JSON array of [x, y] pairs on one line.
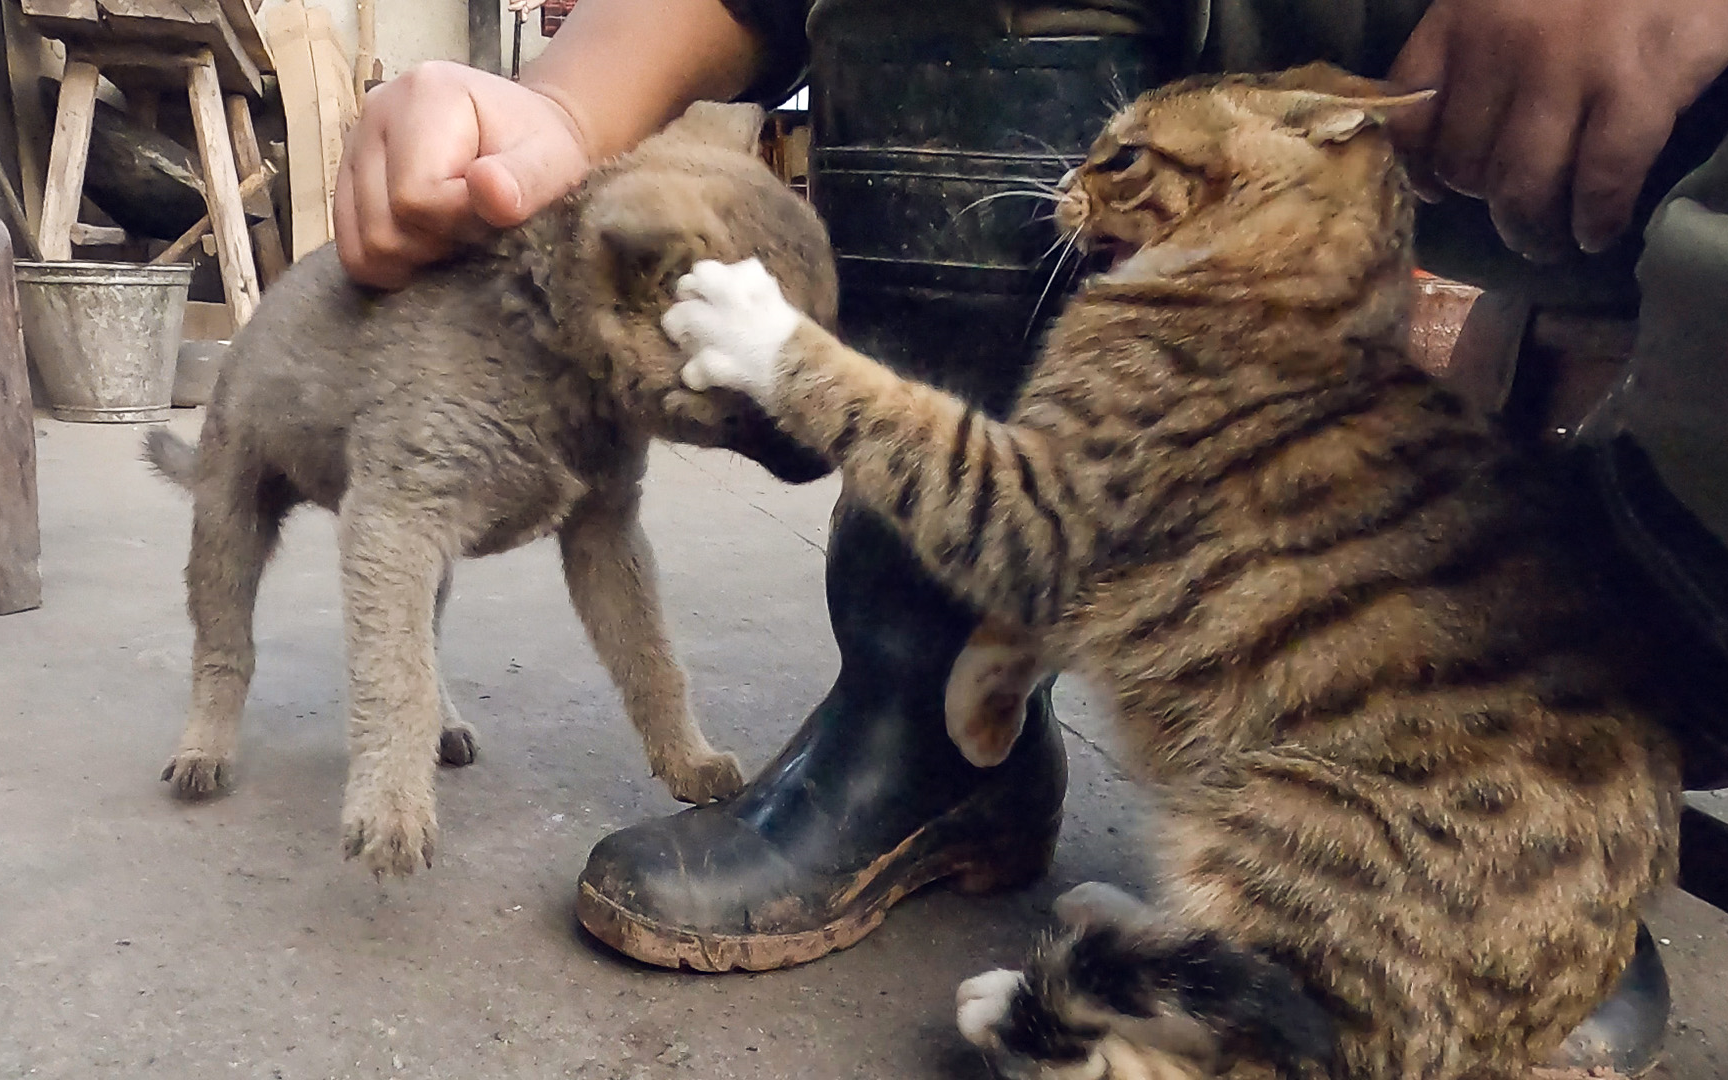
[[917, 862]]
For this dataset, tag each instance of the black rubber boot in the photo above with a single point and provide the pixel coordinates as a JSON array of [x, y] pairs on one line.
[[869, 802], [917, 146]]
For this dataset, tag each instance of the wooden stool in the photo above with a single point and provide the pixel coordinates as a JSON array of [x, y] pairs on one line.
[[70, 150]]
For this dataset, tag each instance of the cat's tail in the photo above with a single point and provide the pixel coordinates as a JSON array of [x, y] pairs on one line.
[[1190, 996], [172, 456]]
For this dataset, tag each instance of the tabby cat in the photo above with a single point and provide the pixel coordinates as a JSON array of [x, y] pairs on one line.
[[1408, 802]]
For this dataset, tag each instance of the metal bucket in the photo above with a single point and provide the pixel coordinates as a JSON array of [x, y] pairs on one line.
[[103, 336], [924, 152]]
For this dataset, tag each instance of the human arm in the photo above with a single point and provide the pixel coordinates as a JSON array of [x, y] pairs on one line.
[[445, 151], [1554, 110]]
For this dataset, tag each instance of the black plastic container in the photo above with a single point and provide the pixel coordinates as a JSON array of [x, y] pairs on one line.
[[909, 136]]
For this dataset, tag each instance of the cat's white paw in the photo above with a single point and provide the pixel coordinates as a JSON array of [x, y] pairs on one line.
[[982, 1003], [734, 323]]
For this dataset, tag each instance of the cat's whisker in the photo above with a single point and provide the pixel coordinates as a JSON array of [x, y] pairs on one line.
[[1067, 250], [1067, 160], [1047, 196]]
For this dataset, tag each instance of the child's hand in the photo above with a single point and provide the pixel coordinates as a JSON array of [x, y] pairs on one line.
[[1554, 110], [440, 154]]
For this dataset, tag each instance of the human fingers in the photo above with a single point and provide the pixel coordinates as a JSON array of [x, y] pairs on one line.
[[1527, 175], [1480, 89], [385, 249], [430, 132], [527, 158], [1625, 131]]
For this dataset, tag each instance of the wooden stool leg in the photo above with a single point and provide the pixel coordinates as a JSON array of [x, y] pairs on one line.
[[266, 237], [63, 190], [222, 189]]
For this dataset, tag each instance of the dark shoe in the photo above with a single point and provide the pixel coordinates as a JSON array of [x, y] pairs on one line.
[[1625, 1032], [870, 802]]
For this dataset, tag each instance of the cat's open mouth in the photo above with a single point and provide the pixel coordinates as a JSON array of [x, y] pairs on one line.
[[1108, 252]]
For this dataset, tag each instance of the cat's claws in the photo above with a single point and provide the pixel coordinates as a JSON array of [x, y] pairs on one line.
[[733, 322]]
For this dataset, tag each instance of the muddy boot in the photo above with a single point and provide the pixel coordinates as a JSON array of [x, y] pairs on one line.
[[917, 146], [868, 803]]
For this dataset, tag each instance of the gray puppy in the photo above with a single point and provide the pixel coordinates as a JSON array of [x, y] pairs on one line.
[[507, 395]]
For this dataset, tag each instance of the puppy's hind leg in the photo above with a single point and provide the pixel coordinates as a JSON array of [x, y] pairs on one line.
[[235, 524], [609, 568], [391, 565], [456, 743]]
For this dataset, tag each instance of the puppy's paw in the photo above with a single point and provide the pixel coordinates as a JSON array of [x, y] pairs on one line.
[[195, 774], [457, 745], [704, 778], [734, 323], [387, 836]]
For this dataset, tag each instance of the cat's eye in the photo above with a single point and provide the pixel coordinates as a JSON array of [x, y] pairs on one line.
[[1123, 159]]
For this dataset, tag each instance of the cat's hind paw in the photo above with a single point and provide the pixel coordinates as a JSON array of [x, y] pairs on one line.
[[734, 323]]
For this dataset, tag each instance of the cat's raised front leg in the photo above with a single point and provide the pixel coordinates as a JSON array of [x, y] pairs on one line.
[[609, 568], [995, 510]]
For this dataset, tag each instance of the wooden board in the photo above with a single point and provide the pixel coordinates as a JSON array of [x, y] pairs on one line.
[[336, 105], [266, 238], [20, 533], [308, 206]]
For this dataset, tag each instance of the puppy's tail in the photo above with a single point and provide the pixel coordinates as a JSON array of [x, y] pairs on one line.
[[172, 456]]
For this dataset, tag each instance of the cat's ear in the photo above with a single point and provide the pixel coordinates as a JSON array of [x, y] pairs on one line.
[[736, 126], [1335, 118]]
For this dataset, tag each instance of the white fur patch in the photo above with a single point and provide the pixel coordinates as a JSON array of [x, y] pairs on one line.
[[982, 1003], [734, 323]]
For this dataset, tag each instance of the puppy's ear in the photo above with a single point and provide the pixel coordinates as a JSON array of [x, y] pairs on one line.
[[646, 261], [736, 126]]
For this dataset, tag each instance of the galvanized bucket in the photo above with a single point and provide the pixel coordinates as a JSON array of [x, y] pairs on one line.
[[103, 336]]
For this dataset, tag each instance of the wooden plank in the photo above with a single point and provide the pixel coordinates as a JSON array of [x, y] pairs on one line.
[[309, 224], [485, 36], [20, 532], [336, 105], [64, 187], [222, 190], [206, 322], [94, 235], [240, 16], [266, 237], [366, 50], [17, 221], [34, 129]]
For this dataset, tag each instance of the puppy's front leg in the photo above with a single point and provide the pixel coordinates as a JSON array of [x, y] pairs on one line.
[[609, 568], [391, 565]]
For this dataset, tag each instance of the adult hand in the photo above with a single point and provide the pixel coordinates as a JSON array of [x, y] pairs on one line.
[[1554, 110], [439, 155]]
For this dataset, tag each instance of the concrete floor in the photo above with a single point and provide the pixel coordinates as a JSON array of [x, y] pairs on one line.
[[140, 937]]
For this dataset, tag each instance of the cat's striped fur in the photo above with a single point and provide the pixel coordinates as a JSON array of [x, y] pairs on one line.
[[1386, 709]]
